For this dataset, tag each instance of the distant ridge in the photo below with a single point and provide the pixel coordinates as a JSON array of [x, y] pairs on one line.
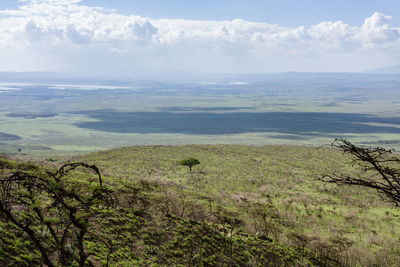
[[28, 76], [232, 78], [394, 69]]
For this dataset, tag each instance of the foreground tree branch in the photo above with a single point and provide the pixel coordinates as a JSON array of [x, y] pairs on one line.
[[37, 201], [381, 170]]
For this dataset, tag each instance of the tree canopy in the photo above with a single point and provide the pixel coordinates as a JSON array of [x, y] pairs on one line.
[[189, 162]]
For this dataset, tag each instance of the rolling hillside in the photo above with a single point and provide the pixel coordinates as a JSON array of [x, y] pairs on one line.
[[243, 205]]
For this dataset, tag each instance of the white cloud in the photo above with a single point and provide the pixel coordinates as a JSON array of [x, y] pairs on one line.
[[69, 36], [376, 29]]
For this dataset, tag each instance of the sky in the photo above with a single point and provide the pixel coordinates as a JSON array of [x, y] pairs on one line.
[[123, 38]]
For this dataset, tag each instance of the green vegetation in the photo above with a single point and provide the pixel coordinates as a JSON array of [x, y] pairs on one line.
[[293, 109], [68, 218], [52, 213], [244, 206], [189, 162]]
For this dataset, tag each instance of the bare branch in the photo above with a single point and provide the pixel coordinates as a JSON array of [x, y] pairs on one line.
[[380, 161]]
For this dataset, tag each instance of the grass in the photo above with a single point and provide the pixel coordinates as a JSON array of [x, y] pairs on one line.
[[270, 193], [238, 177]]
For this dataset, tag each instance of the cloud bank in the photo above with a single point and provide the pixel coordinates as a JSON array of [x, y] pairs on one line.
[[67, 36]]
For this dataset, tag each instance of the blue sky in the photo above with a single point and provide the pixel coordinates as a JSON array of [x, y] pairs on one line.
[[289, 13], [208, 35]]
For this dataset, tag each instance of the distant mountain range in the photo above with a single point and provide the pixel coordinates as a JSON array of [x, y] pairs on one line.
[[29, 76], [394, 69], [236, 78]]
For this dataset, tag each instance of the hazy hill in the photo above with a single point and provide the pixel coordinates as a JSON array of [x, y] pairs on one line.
[[394, 69], [184, 77]]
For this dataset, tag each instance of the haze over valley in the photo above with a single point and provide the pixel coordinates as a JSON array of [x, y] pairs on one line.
[[288, 108]]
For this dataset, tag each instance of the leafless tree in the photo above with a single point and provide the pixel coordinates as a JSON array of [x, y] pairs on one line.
[[32, 198], [380, 166]]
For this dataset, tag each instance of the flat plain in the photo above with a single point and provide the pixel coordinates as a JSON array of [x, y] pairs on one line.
[[55, 117]]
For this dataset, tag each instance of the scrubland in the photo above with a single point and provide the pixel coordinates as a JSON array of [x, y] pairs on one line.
[[243, 205]]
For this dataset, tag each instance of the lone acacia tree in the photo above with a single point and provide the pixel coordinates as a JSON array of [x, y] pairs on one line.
[[381, 170], [189, 162]]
